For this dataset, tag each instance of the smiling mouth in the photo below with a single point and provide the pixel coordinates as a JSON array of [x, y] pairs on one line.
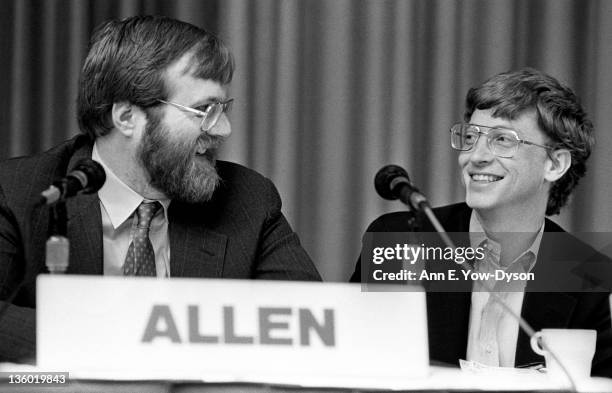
[[482, 178], [201, 147]]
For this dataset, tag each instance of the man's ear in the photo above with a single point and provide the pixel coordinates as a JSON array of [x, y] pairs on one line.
[[558, 162], [124, 117]]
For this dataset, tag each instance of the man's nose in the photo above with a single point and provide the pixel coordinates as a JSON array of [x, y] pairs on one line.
[[481, 152], [222, 128]]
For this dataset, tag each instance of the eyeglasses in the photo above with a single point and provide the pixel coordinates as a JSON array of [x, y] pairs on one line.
[[209, 114], [501, 141]]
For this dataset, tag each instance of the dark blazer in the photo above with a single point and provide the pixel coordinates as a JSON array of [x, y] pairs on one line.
[[448, 313], [239, 233]]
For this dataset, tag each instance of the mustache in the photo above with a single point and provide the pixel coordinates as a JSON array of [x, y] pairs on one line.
[[210, 141]]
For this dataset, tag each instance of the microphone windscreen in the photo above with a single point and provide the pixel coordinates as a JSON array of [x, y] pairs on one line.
[[384, 177], [94, 172]]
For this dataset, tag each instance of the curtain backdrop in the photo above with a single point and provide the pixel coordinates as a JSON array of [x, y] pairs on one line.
[[327, 92]]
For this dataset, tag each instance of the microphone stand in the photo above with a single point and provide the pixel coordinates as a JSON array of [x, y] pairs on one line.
[[424, 206], [57, 247]]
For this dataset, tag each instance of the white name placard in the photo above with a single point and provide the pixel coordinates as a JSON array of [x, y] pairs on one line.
[[309, 334]]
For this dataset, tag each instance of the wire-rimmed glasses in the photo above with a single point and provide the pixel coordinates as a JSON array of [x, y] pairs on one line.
[[502, 142], [210, 114]]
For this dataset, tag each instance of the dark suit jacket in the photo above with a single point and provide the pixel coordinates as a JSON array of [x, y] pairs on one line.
[[239, 233], [448, 313]]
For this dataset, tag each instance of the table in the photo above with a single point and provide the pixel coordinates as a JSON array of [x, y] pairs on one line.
[[441, 379]]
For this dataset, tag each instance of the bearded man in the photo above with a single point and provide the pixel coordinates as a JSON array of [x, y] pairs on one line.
[[152, 107]]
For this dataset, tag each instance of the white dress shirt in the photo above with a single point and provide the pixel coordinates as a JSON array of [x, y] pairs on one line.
[[493, 332], [118, 203]]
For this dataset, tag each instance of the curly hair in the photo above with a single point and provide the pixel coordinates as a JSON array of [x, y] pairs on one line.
[[127, 60], [559, 115]]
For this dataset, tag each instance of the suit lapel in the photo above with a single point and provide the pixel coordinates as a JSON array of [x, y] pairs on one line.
[[545, 309], [195, 250], [449, 312], [84, 226], [85, 234]]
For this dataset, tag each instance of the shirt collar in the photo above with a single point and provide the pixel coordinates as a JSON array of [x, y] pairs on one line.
[[117, 198], [478, 237]]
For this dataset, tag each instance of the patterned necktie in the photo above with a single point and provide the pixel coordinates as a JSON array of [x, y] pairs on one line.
[[140, 259]]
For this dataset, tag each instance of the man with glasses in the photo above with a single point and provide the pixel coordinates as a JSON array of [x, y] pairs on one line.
[[152, 106], [522, 147]]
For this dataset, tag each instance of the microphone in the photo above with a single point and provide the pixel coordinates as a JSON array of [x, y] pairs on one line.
[[392, 182], [87, 177]]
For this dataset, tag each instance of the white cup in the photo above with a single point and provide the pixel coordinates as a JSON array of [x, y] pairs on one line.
[[574, 348]]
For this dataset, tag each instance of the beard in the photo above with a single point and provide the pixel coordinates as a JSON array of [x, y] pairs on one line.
[[174, 165]]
